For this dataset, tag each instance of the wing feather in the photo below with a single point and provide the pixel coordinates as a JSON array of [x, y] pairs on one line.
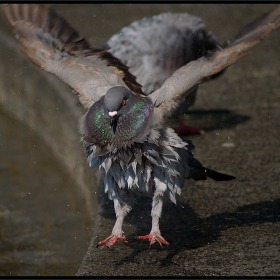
[[53, 45], [174, 89]]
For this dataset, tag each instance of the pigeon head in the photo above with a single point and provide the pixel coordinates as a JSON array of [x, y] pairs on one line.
[[118, 101], [119, 118]]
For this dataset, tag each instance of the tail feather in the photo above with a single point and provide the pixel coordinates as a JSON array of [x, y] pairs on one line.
[[217, 176], [199, 172]]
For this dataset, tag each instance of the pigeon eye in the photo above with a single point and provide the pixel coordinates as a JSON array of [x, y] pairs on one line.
[[123, 102]]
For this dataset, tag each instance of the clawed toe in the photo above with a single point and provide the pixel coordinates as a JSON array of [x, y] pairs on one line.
[[111, 240], [153, 238]]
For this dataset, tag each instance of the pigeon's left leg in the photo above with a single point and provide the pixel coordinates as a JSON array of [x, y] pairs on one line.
[[122, 208], [155, 234]]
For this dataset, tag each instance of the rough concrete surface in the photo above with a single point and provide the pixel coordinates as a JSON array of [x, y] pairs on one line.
[[219, 228]]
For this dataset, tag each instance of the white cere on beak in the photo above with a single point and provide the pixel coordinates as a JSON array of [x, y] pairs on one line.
[[113, 113]]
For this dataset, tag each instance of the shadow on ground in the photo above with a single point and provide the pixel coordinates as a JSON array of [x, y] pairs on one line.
[[213, 119], [187, 231]]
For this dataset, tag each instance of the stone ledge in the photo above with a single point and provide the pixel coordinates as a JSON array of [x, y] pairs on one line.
[[50, 108]]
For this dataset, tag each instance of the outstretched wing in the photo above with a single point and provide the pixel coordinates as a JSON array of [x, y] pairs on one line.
[[52, 44], [155, 47], [170, 94]]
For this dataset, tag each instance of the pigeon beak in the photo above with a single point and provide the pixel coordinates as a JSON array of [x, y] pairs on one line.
[[113, 116], [112, 121]]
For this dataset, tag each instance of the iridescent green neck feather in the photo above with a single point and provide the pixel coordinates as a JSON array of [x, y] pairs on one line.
[[129, 126]]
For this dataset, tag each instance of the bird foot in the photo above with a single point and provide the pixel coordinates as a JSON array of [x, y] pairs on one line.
[[153, 238], [184, 129], [111, 240]]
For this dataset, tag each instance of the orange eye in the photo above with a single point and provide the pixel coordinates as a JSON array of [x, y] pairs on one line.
[[123, 102]]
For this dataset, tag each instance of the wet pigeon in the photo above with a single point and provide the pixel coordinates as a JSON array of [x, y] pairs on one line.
[[155, 47], [123, 130]]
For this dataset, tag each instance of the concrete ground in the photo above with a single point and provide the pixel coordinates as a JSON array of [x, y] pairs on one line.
[[219, 228]]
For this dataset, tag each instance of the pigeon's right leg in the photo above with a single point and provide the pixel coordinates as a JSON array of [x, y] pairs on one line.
[[122, 208], [155, 234]]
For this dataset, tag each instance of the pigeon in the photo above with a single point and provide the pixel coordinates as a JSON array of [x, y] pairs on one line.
[[155, 47], [123, 131]]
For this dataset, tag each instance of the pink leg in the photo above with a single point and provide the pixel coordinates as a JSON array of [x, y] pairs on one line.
[[155, 234], [121, 210], [184, 129]]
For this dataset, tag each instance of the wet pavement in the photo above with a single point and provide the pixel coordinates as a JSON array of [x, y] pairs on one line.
[[219, 228]]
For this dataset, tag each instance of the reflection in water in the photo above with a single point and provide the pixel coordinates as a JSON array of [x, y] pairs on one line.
[[44, 227]]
